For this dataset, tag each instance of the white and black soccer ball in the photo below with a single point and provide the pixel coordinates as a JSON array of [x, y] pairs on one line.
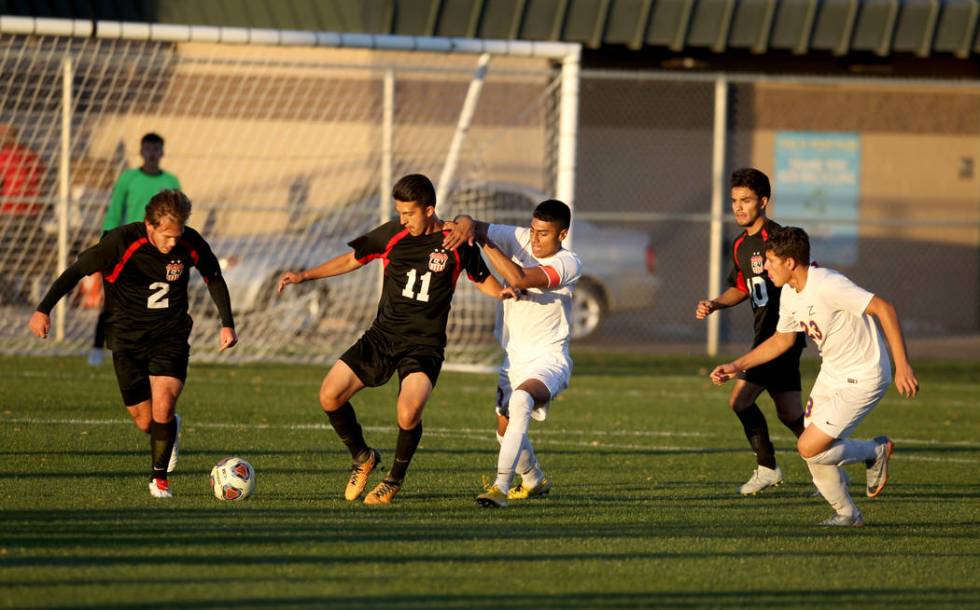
[[232, 478]]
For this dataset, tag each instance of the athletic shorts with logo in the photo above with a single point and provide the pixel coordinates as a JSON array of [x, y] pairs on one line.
[[837, 405], [134, 364], [376, 356], [553, 370]]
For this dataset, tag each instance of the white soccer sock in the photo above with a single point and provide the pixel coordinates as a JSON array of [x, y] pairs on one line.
[[519, 409], [528, 466], [846, 451], [829, 481]]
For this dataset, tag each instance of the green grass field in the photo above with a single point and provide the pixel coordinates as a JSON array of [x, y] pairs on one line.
[[645, 456]]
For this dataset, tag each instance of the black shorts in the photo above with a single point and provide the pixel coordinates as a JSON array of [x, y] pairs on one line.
[[779, 375], [375, 358], [134, 365]]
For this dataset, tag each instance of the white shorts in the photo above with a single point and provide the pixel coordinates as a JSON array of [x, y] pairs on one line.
[[553, 370], [837, 406]]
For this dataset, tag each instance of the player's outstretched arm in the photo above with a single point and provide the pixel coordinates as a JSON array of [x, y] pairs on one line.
[[905, 379], [464, 230], [345, 263], [40, 322], [731, 297], [492, 288], [517, 276], [768, 350]]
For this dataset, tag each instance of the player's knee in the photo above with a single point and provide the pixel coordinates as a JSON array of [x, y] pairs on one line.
[[330, 400], [739, 403], [143, 423], [789, 419], [521, 403], [408, 419], [806, 452]]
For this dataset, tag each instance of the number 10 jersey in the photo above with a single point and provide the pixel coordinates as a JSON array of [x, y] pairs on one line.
[[749, 275]]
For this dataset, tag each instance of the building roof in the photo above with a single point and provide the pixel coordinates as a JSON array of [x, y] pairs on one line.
[[918, 28]]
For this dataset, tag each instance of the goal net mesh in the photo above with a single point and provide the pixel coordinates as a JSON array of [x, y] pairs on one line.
[[287, 154]]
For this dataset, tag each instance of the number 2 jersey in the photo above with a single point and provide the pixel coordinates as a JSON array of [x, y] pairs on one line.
[[749, 276], [146, 290], [419, 280]]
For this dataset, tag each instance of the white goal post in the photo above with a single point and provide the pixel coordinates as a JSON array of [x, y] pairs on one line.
[[288, 143]]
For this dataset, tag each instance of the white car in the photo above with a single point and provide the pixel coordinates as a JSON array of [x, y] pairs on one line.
[[618, 264]]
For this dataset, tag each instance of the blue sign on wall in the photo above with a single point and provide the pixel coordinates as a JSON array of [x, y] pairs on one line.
[[817, 188]]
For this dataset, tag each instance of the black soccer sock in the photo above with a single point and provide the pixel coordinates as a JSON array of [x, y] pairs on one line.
[[408, 442], [162, 437], [796, 426], [344, 422], [757, 432]]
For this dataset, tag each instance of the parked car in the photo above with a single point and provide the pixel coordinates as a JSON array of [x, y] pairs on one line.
[[618, 264]]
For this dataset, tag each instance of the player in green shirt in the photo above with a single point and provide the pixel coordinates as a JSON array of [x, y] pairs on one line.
[[134, 189]]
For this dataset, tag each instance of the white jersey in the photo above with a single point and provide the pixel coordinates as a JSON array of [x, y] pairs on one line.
[[830, 309], [540, 322]]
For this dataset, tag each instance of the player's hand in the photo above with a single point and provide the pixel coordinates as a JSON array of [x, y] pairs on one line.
[[723, 373], [289, 277], [228, 338], [40, 324], [704, 309], [905, 381], [462, 230], [510, 293]]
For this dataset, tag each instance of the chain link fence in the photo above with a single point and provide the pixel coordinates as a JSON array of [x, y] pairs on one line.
[[882, 174], [279, 147]]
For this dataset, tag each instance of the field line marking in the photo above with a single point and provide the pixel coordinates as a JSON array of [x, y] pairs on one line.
[[480, 434]]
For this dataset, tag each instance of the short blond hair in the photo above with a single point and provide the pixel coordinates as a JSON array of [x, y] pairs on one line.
[[169, 203]]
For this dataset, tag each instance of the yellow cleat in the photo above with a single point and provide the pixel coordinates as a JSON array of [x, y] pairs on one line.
[[492, 498], [359, 474], [384, 493], [523, 493]]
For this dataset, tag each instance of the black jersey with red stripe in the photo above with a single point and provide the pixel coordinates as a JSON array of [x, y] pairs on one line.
[[419, 280], [749, 276], [146, 290]]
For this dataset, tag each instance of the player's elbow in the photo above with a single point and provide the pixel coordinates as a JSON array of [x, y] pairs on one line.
[[879, 306], [520, 282]]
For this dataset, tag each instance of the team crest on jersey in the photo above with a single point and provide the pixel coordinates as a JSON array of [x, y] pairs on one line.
[[438, 260], [174, 269], [758, 262]]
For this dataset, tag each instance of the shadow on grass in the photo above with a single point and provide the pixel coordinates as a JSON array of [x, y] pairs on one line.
[[910, 597], [215, 529]]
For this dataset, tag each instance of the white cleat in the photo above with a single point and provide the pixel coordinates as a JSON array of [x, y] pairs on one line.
[[762, 478], [838, 520], [172, 464], [95, 356], [159, 488]]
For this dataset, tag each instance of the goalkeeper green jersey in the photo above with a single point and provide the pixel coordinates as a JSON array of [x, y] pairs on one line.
[[132, 192]]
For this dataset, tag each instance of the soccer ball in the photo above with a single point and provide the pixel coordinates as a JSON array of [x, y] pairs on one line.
[[232, 478]]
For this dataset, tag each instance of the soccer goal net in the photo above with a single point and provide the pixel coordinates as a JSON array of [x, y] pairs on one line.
[[288, 144]]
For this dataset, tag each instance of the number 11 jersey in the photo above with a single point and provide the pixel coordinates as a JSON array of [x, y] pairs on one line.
[[419, 280]]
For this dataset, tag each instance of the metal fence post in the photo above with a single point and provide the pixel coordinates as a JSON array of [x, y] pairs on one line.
[[717, 212], [63, 187]]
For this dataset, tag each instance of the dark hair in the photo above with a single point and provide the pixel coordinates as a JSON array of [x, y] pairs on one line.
[[151, 138], [553, 210], [790, 242], [168, 203], [751, 178], [415, 187]]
